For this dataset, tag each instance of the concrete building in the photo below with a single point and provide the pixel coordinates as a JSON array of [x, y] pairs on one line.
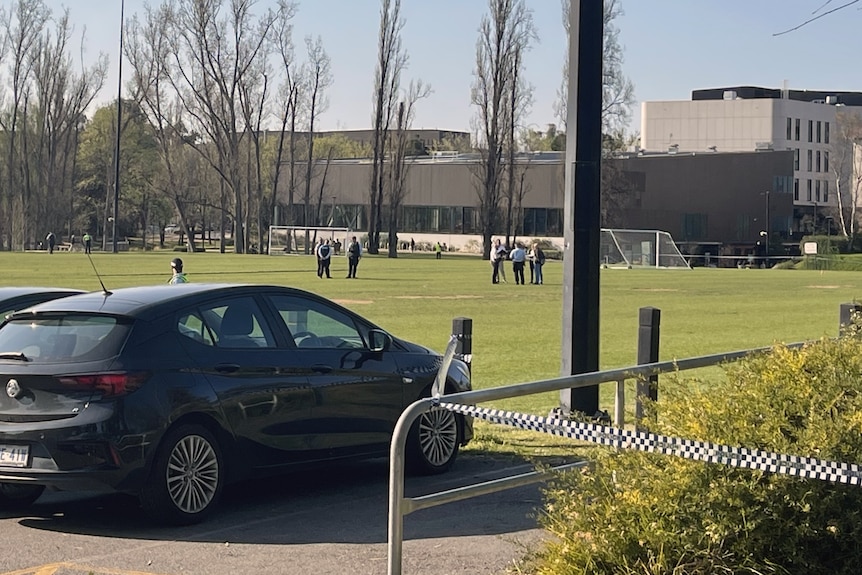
[[724, 202], [750, 118]]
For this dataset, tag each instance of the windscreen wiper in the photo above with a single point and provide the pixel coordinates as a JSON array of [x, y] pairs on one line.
[[13, 355]]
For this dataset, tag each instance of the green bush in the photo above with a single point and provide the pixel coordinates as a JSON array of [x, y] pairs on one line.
[[634, 512]]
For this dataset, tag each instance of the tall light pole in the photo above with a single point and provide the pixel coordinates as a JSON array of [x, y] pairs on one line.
[[119, 131], [766, 193], [582, 222]]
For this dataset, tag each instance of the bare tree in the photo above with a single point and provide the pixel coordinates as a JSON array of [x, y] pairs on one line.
[[398, 166], [617, 90], [391, 61], [617, 102], [148, 49], [25, 23], [845, 163], [319, 79], [520, 99], [42, 116], [214, 52], [289, 104], [504, 34]]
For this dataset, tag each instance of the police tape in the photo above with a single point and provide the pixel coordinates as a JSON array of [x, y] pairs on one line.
[[793, 465]]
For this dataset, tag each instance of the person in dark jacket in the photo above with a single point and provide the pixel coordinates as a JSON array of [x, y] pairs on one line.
[[354, 252]]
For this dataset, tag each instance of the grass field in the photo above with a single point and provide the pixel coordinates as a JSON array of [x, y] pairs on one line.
[[516, 329]]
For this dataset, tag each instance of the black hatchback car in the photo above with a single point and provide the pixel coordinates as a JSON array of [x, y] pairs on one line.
[[15, 298], [170, 392]]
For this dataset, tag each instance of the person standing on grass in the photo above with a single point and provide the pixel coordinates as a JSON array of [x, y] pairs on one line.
[[88, 242], [438, 251], [518, 257], [52, 240], [317, 255], [498, 254], [354, 252], [538, 257], [324, 256]]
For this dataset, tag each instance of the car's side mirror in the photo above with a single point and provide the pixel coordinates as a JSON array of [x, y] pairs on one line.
[[379, 340]]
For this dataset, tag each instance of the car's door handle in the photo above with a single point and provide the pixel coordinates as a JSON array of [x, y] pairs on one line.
[[227, 368], [320, 368]]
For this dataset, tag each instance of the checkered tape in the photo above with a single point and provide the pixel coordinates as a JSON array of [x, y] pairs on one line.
[[793, 465]]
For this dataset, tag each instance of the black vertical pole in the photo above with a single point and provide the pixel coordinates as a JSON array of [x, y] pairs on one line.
[[463, 328], [119, 130], [849, 312], [649, 319], [580, 345]]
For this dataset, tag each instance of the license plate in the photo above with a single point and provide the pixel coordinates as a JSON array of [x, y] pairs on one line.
[[14, 455]]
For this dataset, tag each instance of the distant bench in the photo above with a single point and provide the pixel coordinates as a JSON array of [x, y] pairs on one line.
[[64, 247]]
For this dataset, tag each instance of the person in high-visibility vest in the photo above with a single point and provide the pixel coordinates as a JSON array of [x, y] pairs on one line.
[[177, 277], [88, 242]]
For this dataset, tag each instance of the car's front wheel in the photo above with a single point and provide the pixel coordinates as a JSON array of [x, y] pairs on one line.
[[186, 479], [19, 496], [434, 441]]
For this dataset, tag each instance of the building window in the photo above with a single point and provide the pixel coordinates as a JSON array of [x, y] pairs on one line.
[[825, 191], [810, 160], [817, 164], [809, 190], [789, 135], [818, 131], [796, 130], [810, 130], [817, 190], [796, 159], [826, 160], [795, 189], [826, 133]]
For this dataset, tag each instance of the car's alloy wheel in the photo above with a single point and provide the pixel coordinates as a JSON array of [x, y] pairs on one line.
[[434, 441], [187, 477], [18, 496]]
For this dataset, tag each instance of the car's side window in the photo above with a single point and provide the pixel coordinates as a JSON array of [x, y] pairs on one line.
[[192, 326], [238, 322], [313, 324]]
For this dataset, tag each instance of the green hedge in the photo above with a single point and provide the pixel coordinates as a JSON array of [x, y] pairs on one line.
[[641, 513]]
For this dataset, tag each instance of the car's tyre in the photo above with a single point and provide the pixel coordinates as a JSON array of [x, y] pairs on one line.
[[186, 479], [433, 442], [18, 495]]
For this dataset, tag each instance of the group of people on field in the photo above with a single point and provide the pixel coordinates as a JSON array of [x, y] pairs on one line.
[[520, 257], [51, 242], [324, 251]]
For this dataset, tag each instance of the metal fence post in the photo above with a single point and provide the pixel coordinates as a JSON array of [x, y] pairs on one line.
[[649, 319], [462, 327], [847, 315]]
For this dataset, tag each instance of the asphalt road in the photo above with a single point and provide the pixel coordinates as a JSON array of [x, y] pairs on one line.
[[330, 521]]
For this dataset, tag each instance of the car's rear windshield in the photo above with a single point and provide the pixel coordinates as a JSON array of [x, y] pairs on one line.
[[63, 338]]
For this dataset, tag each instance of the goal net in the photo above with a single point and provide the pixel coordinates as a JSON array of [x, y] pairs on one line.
[[285, 240], [640, 249]]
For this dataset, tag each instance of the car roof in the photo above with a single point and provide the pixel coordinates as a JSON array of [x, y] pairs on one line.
[[138, 301], [18, 291]]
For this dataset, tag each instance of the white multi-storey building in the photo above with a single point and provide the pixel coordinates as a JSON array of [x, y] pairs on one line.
[[746, 118]]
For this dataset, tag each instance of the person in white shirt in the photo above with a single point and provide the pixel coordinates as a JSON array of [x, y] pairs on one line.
[[519, 258]]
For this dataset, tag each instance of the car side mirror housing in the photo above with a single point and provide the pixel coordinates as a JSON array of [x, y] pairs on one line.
[[379, 340]]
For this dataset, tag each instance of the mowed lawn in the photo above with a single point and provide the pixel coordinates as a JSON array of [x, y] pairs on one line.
[[516, 329]]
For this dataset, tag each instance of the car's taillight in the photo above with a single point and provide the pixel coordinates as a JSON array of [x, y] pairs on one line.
[[110, 384]]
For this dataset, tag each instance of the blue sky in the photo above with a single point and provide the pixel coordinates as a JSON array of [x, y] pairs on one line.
[[671, 47]]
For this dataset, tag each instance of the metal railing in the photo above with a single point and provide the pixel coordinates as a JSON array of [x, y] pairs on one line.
[[399, 505]]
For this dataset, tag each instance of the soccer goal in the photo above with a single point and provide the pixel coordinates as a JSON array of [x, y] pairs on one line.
[[640, 249], [285, 240]]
